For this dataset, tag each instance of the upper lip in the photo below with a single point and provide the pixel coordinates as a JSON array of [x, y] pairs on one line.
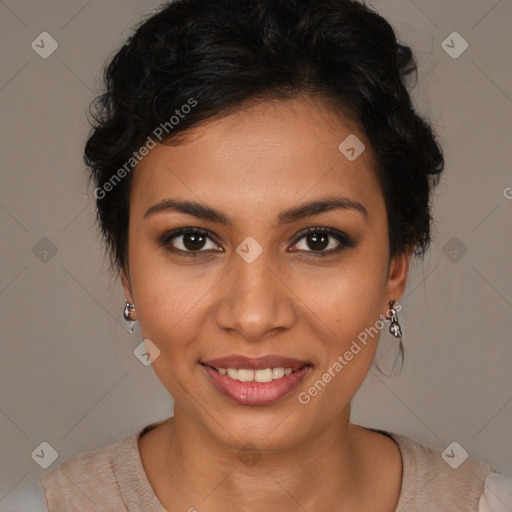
[[256, 363]]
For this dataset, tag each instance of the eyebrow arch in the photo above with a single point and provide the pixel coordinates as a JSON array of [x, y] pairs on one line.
[[290, 215]]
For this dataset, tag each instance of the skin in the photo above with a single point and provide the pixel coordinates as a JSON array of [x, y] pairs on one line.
[[251, 165]]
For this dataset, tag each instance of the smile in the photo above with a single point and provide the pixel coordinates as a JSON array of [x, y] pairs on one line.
[[255, 381]]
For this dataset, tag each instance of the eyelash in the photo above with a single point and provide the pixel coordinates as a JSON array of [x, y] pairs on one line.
[[344, 240]]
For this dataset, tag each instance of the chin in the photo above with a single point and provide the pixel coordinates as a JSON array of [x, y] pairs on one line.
[[260, 429]]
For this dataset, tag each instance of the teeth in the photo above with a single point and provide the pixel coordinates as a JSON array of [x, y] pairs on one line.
[[277, 373], [245, 375], [262, 375]]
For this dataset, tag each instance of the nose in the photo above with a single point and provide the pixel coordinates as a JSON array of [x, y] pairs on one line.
[[255, 302]]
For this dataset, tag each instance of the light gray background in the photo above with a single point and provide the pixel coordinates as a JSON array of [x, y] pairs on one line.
[[68, 375]]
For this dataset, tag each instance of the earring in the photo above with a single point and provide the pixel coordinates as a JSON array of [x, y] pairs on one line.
[[396, 330], [389, 358], [394, 327], [127, 315]]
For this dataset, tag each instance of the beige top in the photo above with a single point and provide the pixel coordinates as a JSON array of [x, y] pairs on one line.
[[112, 479]]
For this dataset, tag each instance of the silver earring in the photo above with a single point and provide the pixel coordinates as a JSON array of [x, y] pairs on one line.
[[395, 329], [127, 315], [390, 361]]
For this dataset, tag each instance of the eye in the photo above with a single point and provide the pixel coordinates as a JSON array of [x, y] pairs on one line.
[[323, 241], [189, 240]]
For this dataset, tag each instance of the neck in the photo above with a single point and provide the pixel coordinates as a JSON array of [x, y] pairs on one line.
[[314, 474]]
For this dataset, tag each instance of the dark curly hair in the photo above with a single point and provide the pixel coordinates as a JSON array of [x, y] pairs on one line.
[[217, 55]]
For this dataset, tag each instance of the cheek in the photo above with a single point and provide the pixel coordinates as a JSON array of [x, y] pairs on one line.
[[169, 297], [348, 349], [350, 306], [349, 297]]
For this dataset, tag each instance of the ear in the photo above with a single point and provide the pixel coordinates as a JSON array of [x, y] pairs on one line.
[[127, 285], [397, 277]]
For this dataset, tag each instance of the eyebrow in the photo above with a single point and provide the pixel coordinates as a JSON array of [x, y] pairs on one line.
[[202, 211]]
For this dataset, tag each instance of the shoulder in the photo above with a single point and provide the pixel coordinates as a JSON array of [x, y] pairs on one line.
[[448, 480], [111, 479], [88, 480], [497, 495]]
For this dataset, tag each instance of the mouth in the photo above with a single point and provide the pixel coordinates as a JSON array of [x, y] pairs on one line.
[[255, 381]]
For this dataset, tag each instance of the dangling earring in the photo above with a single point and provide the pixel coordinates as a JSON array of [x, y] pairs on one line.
[[394, 327], [396, 330], [127, 315]]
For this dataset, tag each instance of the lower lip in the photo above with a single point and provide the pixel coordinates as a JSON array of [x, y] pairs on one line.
[[256, 393]]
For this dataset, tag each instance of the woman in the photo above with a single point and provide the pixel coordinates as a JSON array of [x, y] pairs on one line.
[[262, 182]]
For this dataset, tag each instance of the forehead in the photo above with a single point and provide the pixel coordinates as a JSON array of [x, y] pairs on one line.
[[277, 152]]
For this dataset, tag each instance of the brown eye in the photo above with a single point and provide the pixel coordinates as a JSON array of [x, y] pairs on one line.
[[193, 241], [317, 241], [323, 241], [189, 240]]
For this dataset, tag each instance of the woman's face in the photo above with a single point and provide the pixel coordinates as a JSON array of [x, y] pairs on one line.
[[252, 284]]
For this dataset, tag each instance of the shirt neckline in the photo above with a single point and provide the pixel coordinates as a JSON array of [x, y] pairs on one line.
[[136, 490], [134, 486]]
